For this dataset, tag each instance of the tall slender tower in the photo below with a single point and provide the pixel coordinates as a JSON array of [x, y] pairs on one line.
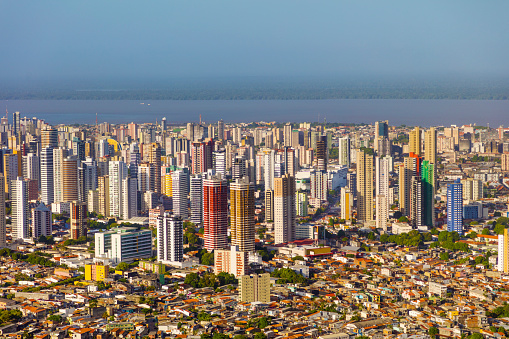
[[180, 190], [215, 212], [415, 141], [346, 203], [344, 151], [242, 215], [430, 145], [196, 199], [321, 153], [20, 209], [117, 173], [455, 207], [78, 219], [41, 221], [170, 237], [428, 193], [47, 175], [70, 179], [364, 186], [220, 130], [59, 154], [3, 232], [382, 192], [284, 209], [155, 160]]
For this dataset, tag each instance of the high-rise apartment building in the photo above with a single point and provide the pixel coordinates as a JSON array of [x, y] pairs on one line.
[[428, 193], [381, 132], [129, 198], [505, 162], [319, 185], [503, 252], [20, 209], [430, 145], [364, 186], [215, 212], [41, 221], [220, 130], [180, 191], [284, 209], [416, 203], [346, 203], [196, 199], [70, 179], [155, 160], [254, 288], [117, 173], [242, 215], [78, 217], [59, 154], [49, 138], [269, 205], [47, 175], [455, 207], [231, 261], [3, 231], [472, 189], [344, 151], [170, 235], [321, 153], [104, 195], [301, 204], [382, 212], [414, 142]]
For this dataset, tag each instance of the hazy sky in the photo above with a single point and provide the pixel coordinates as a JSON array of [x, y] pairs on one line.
[[162, 39]]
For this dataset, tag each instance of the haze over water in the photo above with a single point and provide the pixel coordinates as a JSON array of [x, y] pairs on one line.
[[408, 112]]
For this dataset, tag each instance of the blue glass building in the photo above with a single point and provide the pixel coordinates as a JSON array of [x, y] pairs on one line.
[[455, 207]]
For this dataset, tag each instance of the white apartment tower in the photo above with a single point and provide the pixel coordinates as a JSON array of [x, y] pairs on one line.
[[170, 246]]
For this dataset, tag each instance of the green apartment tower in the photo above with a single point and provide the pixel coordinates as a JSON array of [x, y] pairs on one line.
[[428, 193]]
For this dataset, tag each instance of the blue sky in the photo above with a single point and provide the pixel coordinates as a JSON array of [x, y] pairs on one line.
[[52, 40]]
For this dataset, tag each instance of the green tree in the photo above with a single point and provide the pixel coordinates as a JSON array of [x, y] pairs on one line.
[[123, 266], [485, 231], [260, 335], [207, 259], [433, 331]]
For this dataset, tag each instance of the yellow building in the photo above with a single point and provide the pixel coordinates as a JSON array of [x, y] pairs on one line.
[[255, 287], [96, 272], [167, 185]]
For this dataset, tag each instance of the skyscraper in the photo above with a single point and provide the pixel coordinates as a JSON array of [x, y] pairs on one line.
[[155, 160], [409, 169], [49, 138], [242, 214], [455, 207], [415, 141], [321, 153], [2, 215], [220, 130], [104, 195], [117, 173], [381, 132], [472, 189], [215, 212], [416, 203], [364, 186], [41, 221], [59, 154], [503, 252], [346, 203], [20, 209], [196, 198], [284, 209], [70, 179], [344, 151], [382, 177], [269, 205], [268, 170], [382, 211], [170, 236], [129, 198], [78, 219], [430, 145], [47, 175], [180, 191], [428, 193], [287, 134]]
